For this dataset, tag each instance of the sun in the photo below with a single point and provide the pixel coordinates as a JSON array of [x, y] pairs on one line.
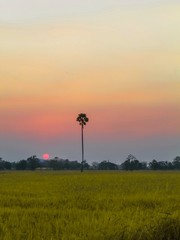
[[45, 156]]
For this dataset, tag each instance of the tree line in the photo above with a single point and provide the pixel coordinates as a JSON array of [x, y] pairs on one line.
[[131, 163]]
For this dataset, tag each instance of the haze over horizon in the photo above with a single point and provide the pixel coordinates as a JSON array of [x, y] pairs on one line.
[[116, 61]]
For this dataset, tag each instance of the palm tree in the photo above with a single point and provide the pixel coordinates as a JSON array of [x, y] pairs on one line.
[[82, 119]]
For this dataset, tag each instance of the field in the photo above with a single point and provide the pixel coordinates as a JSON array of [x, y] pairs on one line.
[[93, 205]]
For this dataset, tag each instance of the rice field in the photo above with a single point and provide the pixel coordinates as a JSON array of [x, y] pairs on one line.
[[50, 205]]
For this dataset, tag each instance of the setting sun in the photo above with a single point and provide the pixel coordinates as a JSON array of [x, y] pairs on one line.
[[45, 156]]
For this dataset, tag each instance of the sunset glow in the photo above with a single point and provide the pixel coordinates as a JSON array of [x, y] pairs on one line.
[[46, 156], [117, 61]]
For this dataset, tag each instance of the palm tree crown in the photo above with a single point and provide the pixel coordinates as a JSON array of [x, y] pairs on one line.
[[82, 119]]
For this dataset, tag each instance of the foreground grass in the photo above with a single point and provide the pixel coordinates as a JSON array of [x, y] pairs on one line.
[[92, 205]]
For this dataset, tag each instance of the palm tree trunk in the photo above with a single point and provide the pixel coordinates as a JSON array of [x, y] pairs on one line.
[[82, 137]]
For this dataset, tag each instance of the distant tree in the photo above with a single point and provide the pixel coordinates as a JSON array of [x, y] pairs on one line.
[[21, 165], [7, 165], [82, 119], [1, 164], [86, 165], [136, 165], [154, 165], [170, 166], [176, 163], [164, 165], [131, 163], [75, 165], [64, 164], [126, 165], [4, 165], [53, 164], [161, 165], [33, 162], [106, 165]]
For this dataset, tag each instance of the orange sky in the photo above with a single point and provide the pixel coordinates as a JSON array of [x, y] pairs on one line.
[[116, 61]]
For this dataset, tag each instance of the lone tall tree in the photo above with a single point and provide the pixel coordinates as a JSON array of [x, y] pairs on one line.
[[82, 119]]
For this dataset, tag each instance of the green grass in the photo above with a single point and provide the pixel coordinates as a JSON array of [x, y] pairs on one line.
[[93, 205]]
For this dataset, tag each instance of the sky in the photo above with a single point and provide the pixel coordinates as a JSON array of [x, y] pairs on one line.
[[118, 61]]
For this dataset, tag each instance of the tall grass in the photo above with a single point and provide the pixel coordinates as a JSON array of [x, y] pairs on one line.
[[92, 205]]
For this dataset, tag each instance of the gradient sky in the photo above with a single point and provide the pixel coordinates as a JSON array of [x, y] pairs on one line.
[[118, 61]]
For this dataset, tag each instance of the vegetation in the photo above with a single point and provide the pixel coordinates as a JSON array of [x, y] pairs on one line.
[[106, 165], [131, 163], [95, 205]]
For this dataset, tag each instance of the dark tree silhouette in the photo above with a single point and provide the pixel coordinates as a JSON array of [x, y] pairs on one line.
[[21, 165], [33, 162], [4, 165], [154, 165], [131, 163], [176, 163], [106, 165], [82, 119]]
